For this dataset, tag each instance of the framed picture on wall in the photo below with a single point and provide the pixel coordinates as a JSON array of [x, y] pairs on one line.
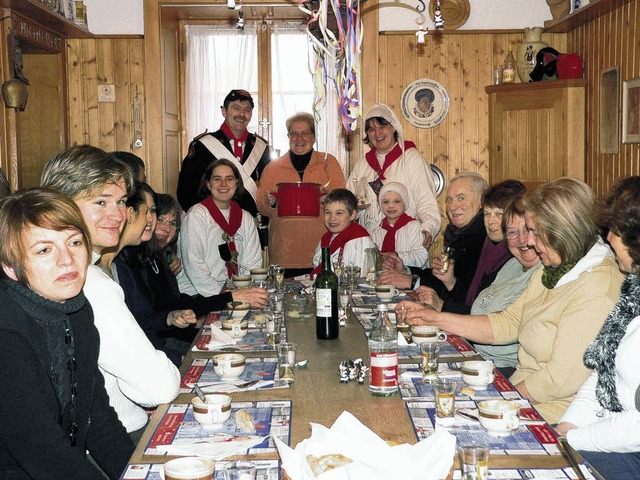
[[631, 111], [609, 111]]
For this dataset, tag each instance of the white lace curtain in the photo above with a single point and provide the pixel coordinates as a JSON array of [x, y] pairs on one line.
[[212, 72]]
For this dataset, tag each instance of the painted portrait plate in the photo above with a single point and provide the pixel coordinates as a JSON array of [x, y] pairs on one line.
[[425, 103]]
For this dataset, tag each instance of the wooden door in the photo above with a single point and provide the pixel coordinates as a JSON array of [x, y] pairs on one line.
[[41, 128], [171, 124]]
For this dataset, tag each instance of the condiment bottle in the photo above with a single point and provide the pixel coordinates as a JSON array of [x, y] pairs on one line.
[[383, 350], [509, 68]]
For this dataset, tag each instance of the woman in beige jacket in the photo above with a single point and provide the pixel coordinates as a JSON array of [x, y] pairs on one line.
[[561, 310]]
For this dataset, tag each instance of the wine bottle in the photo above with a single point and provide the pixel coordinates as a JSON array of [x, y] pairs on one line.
[[326, 300]]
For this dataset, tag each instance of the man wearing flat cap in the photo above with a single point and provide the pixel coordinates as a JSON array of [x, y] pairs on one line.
[[424, 103], [249, 152]]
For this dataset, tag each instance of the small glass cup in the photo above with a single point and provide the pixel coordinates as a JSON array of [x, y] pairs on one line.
[[497, 74], [240, 470], [430, 354], [286, 361], [445, 393], [474, 460], [353, 276], [338, 269], [278, 278], [276, 302], [445, 258], [274, 327]]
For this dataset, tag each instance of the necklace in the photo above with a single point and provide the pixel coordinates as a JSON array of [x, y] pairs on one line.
[[154, 266]]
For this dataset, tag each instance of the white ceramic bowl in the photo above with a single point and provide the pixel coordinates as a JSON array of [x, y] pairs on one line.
[[239, 311], [241, 281], [215, 412], [228, 366], [235, 327], [258, 274], [478, 373], [498, 416]]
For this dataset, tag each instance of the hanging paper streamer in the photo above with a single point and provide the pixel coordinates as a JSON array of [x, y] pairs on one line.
[[335, 33]]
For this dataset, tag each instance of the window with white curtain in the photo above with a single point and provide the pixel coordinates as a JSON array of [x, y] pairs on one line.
[[221, 58]]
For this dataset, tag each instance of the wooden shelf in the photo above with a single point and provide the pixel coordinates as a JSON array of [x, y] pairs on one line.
[[39, 13], [542, 85], [589, 12]]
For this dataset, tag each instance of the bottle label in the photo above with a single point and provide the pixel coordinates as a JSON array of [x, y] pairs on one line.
[[384, 369], [323, 302], [508, 75]]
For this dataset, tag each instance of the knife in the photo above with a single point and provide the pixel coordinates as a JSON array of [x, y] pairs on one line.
[[569, 454]]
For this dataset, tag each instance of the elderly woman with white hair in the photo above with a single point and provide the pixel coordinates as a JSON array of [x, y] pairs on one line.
[[392, 159], [399, 232]]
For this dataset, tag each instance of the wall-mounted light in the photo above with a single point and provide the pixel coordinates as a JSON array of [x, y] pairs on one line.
[[14, 90]]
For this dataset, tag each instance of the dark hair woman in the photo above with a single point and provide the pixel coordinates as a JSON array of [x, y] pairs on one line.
[[603, 422], [217, 223]]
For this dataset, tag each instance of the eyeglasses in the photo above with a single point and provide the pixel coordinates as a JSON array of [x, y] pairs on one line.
[[170, 223], [513, 234], [305, 134]]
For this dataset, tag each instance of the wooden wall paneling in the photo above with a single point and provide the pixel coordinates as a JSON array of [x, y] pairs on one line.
[[439, 133], [106, 111], [90, 90], [424, 137], [122, 132], [449, 74], [613, 39], [78, 115], [383, 77]]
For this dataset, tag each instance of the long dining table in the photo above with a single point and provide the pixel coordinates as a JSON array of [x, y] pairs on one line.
[[318, 396]]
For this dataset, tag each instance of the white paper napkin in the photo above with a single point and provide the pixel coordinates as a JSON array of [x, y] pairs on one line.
[[220, 338], [216, 447], [373, 458]]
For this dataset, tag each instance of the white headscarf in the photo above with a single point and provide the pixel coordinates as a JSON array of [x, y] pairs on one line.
[[397, 187], [382, 111]]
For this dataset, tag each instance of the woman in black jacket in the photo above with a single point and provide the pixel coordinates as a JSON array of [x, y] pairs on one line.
[[53, 403]]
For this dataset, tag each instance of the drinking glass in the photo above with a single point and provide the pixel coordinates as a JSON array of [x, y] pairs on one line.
[[430, 353], [286, 361], [445, 393], [240, 470], [445, 258], [474, 460], [338, 268], [278, 277]]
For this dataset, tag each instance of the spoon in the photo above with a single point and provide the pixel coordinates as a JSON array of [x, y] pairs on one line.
[[233, 304], [200, 393]]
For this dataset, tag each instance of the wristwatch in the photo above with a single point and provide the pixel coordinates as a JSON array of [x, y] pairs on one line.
[[414, 281]]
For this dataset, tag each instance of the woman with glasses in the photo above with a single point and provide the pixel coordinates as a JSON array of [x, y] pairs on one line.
[[292, 240], [54, 404], [392, 159], [461, 290], [156, 266], [562, 308]]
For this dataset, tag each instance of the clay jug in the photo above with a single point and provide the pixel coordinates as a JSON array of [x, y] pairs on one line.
[[527, 51]]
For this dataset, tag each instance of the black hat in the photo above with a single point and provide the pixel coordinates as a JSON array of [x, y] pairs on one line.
[[546, 63], [237, 95], [425, 92]]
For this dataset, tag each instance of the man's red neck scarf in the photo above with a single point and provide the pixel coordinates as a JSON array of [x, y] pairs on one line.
[[353, 231], [390, 157], [236, 142], [230, 227], [389, 242]]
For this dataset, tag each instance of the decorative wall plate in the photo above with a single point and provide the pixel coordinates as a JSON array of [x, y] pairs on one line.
[[455, 12], [425, 103]]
